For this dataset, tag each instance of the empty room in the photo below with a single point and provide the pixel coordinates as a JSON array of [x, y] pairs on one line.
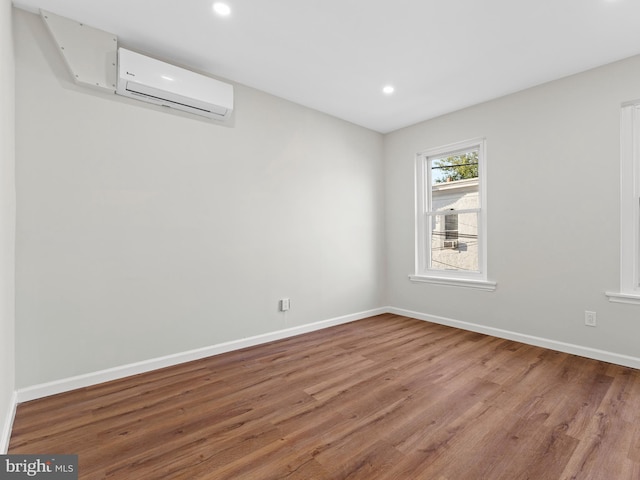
[[320, 240]]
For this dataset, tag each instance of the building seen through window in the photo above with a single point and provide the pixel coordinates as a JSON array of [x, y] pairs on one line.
[[454, 210]]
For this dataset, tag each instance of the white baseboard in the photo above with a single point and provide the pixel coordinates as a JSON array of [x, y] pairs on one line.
[[593, 353], [86, 380], [7, 424]]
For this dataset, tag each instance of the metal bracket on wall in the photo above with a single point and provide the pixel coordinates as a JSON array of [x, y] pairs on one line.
[[91, 55]]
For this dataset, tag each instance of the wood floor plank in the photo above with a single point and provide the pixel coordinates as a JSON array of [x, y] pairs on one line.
[[387, 397]]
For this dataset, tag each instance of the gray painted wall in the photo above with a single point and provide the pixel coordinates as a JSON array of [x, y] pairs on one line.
[[7, 221], [553, 221], [143, 233]]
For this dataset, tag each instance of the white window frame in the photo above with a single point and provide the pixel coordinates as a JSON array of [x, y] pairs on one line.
[[422, 224], [629, 206]]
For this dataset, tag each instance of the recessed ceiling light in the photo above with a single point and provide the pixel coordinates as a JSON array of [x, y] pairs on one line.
[[388, 89], [221, 9]]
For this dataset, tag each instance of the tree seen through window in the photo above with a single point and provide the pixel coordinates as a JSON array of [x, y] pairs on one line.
[[456, 167]]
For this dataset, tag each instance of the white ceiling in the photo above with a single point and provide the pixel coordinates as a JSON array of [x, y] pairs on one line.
[[336, 55]]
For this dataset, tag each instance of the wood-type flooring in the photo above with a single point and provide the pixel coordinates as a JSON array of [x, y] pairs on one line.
[[387, 397]]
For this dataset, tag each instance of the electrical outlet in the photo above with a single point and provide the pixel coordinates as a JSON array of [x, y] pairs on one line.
[[589, 318], [285, 304]]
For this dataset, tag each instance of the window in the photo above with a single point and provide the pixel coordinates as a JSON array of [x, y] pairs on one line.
[[629, 206], [451, 215], [451, 230]]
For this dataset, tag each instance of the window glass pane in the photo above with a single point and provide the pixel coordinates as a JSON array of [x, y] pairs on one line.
[[451, 168], [454, 249], [451, 226], [454, 182]]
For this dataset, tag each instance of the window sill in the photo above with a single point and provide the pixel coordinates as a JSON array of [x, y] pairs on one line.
[[628, 298], [456, 282]]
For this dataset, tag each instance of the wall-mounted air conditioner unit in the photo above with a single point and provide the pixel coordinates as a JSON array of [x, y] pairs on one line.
[[153, 81]]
